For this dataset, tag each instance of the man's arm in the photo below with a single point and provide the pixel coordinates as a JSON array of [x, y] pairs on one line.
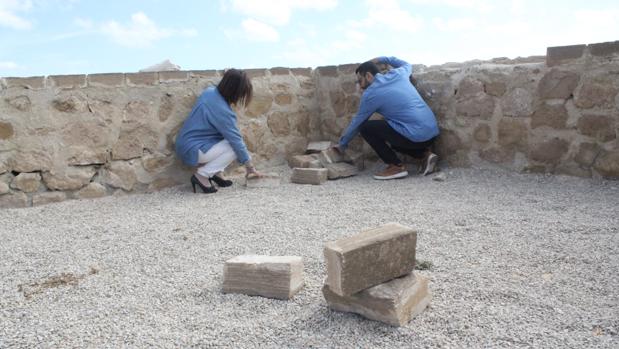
[[397, 63]]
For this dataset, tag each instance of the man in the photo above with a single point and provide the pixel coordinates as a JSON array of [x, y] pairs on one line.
[[409, 126]]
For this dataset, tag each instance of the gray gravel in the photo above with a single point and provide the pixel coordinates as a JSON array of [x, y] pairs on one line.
[[518, 260]]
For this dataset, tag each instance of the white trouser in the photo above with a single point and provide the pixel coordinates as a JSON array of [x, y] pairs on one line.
[[216, 159]]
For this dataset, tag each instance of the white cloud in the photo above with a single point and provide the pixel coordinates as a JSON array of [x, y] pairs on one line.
[[477, 5], [258, 31], [277, 12], [8, 65], [454, 24], [141, 32], [9, 17], [389, 14]]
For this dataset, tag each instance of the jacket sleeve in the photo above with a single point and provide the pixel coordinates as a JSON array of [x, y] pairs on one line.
[[404, 67], [367, 107], [226, 125]]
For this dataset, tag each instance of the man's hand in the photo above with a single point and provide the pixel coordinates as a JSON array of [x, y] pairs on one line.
[[337, 149]]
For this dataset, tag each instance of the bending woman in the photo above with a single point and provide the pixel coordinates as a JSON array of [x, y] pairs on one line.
[[210, 137]]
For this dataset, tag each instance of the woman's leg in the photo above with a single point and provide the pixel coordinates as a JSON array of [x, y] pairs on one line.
[[216, 159]]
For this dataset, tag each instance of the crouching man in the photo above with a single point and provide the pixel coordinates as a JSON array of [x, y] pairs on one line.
[[409, 125]]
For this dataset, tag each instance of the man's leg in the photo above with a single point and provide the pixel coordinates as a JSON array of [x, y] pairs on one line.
[[378, 134]]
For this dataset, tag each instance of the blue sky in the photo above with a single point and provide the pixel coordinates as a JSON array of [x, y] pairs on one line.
[[45, 37]]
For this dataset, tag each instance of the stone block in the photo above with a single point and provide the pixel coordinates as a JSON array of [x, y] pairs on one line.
[[304, 161], [120, 174], [549, 152], [587, 152], [600, 127], [256, 73], [4, 188], [178, 75], [395, 302], [68, 81], [280, 71], [212, 73], [69, 178], [596, 94], [481, 106], [142, 79], [607, 164], [27, 182], [317, 147], [302, 71], [604, 48], [355, 158], [370, 258], [13, 200], [341, 170], [48, 197], [91, 191], [562, 54], [330, 156], [554, 116], [106, 80], [267, 180], [33, 82], [557, 84], [517, 102], [6, 130], [330, 70], [309, 175], [278, 277]]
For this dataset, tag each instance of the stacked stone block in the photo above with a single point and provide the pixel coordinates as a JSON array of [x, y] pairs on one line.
[[371, 274], [321, 162]]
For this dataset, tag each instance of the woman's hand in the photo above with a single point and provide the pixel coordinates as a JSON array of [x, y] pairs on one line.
[[251, 171]]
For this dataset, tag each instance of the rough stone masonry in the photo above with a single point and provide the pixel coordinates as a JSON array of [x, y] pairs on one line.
[[82, 136]]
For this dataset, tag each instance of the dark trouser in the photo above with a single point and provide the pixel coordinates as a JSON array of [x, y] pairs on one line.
[[386, 141]]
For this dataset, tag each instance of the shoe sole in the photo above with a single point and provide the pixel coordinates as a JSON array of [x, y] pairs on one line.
[[395, 176], [432, 159]]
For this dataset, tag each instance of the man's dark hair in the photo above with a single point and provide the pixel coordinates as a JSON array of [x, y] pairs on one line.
[[235, 87], [366, 67]]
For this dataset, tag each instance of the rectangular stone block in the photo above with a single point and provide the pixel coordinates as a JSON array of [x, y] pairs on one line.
[[140, 79], [604, 48], [279, 71], [317, 147], [304, 161], [302, 71], [309, 175], [330, 156], [560, 54], [106, 80], [329, 70], [268, 276], [68, 81], [370, 258], [204, 73], [33, 82], [166, 76], [341, 170], [395, 302], [268, 180]]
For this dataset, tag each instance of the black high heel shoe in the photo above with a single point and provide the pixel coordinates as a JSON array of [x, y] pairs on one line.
[[205, 189], [221, 182]]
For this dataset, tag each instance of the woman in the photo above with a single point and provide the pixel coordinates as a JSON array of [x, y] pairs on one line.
[[210, 137]]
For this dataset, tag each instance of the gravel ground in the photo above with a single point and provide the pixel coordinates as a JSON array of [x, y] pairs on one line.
[[518, 260]]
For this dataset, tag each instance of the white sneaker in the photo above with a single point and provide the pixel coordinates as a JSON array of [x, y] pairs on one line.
[[430, 164]]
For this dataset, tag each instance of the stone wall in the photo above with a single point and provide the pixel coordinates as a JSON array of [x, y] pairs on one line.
[[82, 136], [553, 114]]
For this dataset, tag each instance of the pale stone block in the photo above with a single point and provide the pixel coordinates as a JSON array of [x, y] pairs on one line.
[[341, 170], [92, 190], [356, 159], [267, 180], [395, 302], [317, 147], [48, 197], [13, 200], [330, 156], [309, 175], [4, 188], [268, 276], [304, 161], [26, 182], [369, 258], [69, 178]]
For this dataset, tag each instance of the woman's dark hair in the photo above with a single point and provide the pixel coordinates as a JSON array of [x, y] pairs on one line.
[[235, 87], [366, 67]]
